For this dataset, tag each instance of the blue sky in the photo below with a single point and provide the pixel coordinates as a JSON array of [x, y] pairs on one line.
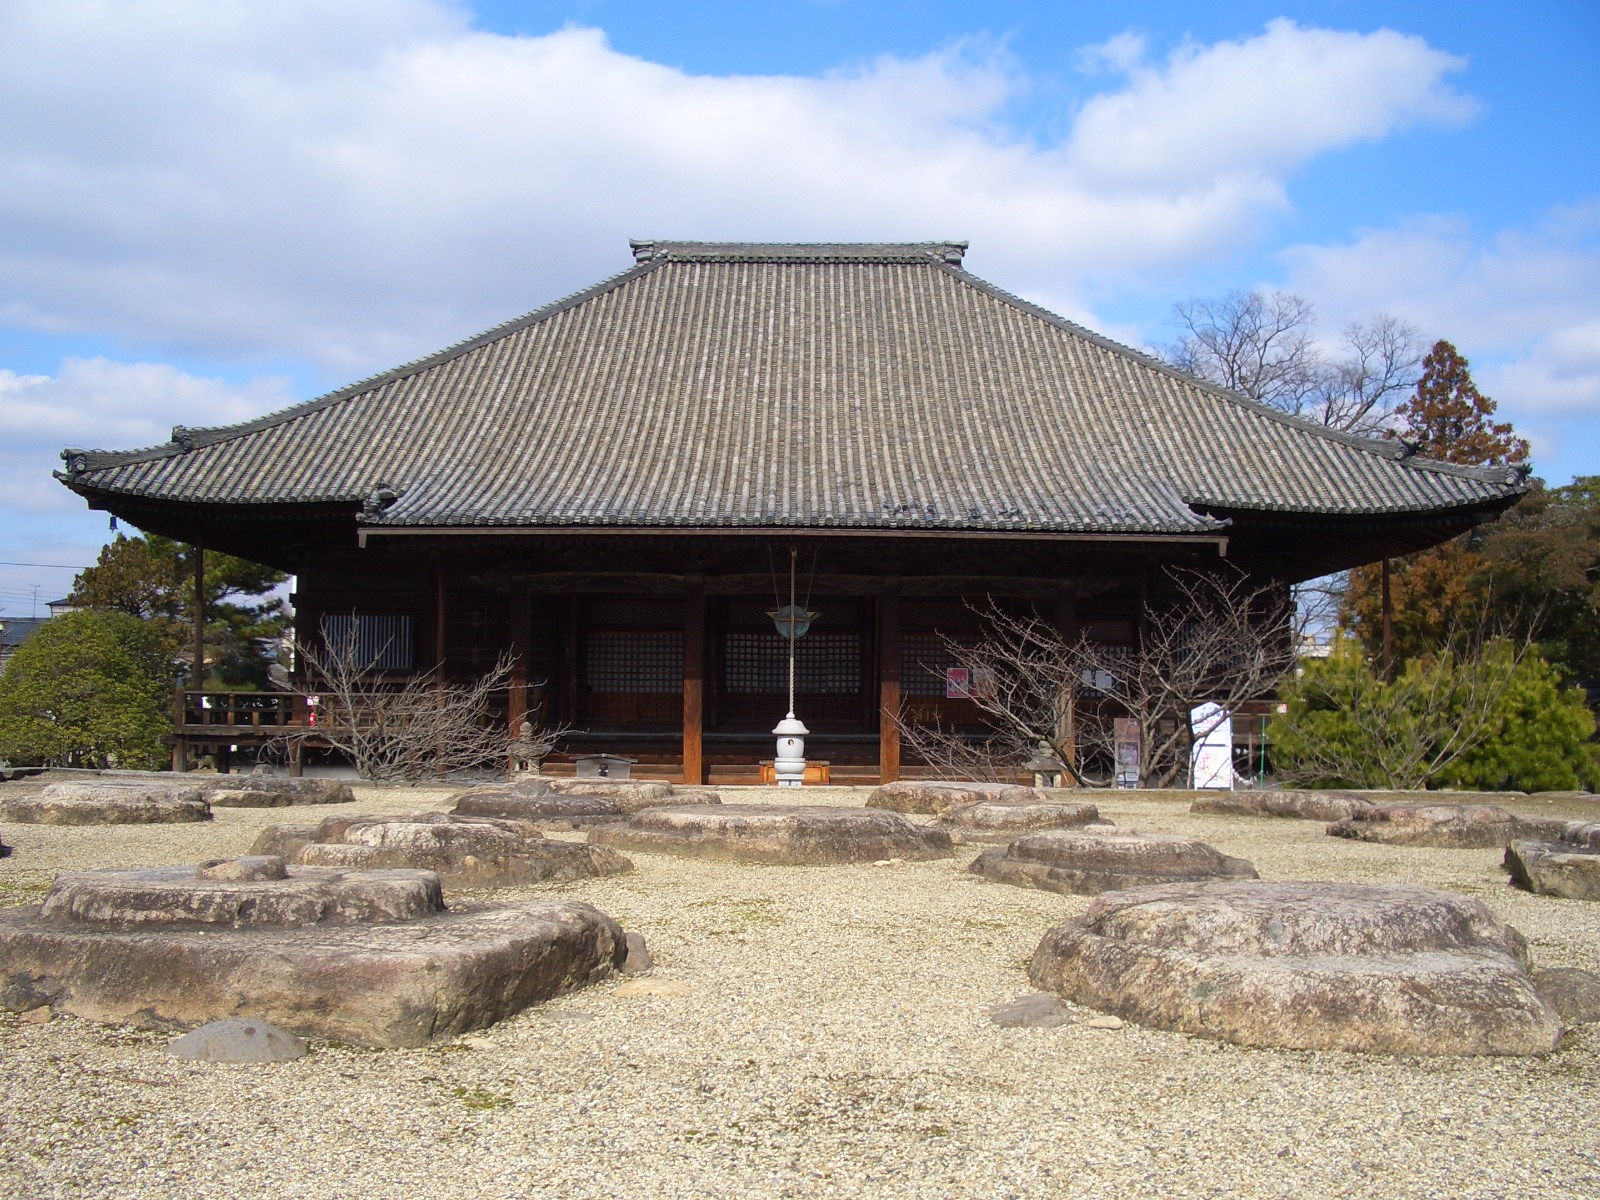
[[209, 210]]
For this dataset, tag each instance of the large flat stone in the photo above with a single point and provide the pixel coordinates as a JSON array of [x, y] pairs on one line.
[[1443, 826], [933, 797], [274, 791], [1571, 872], [631, 795], [469, 852], [1088, 862], [1306, 966], [109, 803], [550, 810], [284, 896], [399, 984], [777, 833], [1301, 805], [983, 821]]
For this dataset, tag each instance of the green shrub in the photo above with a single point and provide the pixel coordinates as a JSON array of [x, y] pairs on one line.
[[88, 689], [1494, 720], [1539, 739]]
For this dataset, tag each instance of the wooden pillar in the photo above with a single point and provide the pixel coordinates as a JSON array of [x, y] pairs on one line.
[[438, 654], [694, 676], [180, 752], [438, 623], [1388, 623], [198, 679], [569, 660], [888, 680], [521, 636], [1066, 730]]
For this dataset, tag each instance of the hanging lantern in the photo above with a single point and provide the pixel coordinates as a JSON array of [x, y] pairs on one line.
[[792, 620]]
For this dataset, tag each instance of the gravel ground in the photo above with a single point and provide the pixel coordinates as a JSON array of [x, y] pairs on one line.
[[817, 1032]]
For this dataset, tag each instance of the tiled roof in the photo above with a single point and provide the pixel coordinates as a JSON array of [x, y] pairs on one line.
[[877, 386]]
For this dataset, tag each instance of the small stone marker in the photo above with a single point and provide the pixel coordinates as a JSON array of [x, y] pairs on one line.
[[236, 1040], [1088, 862], [1037, 1010], [638, 959], [652, 987], [800, 834], [1388, 969], [927, 797]]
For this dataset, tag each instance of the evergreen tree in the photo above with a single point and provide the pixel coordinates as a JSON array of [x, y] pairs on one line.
[[1435, 594], [152, 578], [88, 689]]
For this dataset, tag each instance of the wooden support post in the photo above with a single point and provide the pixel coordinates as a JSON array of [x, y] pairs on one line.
[[1067, 733], [438, 651], [197, 679], [180, 753], [569, 660], [521, 636], [1388, 624], [888, 680], [694, 675]]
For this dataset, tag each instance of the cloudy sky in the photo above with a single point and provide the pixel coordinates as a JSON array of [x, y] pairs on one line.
[[211, 209]]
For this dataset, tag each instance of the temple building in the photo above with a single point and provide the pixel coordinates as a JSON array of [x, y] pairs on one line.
[[612, 488]]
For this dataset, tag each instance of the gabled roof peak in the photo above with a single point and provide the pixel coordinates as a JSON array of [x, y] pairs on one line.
[[650, 250]]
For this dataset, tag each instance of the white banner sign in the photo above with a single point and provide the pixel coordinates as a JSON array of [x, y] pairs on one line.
[[1212, 764]]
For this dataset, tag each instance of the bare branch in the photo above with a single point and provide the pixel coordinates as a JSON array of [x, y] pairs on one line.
[[1223, 639], [405, 729], [1260, 345]]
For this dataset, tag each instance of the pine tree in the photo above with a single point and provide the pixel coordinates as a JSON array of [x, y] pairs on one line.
[[1435, 593], [152, 578]]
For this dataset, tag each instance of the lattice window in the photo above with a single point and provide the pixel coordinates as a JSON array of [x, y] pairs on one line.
[[924, 658], [377, 641], [634, 661], [825, 664]]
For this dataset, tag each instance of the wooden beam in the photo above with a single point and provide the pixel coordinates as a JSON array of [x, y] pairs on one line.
[[888, 680], [694, 674]]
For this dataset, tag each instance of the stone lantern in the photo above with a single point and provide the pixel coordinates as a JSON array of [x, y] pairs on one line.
[[1046, 767], [792, 621]]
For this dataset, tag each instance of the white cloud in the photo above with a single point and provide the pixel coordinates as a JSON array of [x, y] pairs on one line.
[[355, 183], [1259, 107], [1520, 304], [98, 404]]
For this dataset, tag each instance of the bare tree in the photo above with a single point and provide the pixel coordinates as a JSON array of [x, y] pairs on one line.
[[1381, 365], [407, 729], [1264, 346], [1225, 639], [994, 758], [1260, 345]]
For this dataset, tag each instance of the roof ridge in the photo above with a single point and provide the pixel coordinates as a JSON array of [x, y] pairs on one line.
[[651, 250], [185, 439], [1384, 447]]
